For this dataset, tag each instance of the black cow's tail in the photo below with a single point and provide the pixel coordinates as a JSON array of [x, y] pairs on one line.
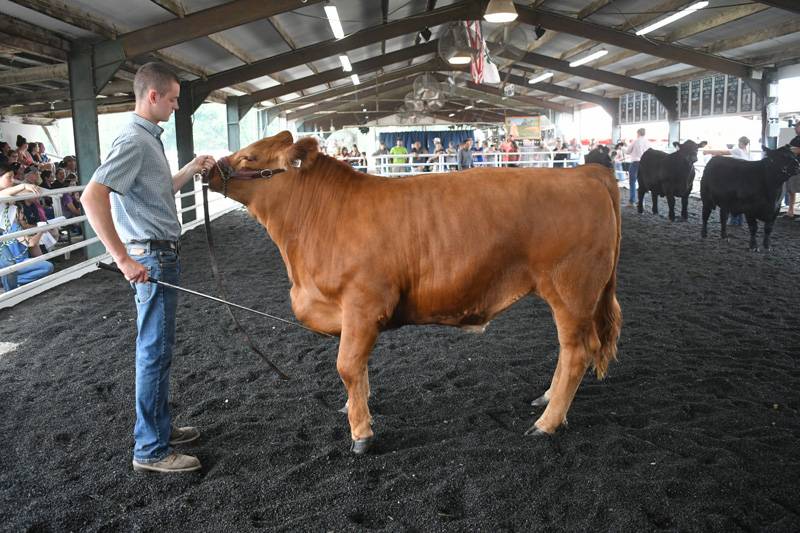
[[608, 315]]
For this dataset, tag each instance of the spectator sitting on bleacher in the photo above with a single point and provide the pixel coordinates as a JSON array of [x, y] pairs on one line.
[[18, 250], [43, 154], [22, 150], [34, 214], [70, 164], [5, 149], [60, 180], [31, 175], [70, 203], [33, 149]]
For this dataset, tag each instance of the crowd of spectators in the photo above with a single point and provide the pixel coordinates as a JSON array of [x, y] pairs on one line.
[[28, 169]]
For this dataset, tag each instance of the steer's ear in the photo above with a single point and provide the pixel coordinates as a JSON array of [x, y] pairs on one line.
[[702, 144], [676, 144], [304, 150]]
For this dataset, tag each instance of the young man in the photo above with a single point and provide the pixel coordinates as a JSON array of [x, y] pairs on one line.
[[792, 185], [465, 155], [130, 204], [635, 151]]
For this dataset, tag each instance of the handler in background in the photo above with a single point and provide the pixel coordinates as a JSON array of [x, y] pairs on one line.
[[130, 203]]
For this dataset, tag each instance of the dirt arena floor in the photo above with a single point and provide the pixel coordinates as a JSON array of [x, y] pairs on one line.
[[696, 427]]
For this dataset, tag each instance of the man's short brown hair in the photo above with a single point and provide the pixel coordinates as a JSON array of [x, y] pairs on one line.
[[155, 76]]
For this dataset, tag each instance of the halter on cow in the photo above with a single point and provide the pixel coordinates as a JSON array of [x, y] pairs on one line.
[[366, 253]]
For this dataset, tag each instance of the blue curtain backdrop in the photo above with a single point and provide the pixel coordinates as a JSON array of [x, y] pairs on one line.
[[426, 138]]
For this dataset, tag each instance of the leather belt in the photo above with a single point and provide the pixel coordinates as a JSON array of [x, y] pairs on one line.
[[165, 246]]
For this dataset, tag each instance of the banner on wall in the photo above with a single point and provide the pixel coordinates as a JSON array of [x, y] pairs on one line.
[[524, 127], [717, 95]]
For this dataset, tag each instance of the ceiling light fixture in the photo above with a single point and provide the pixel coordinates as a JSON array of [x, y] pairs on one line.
[[541, 77], [500, 11], [590, 57], [333, 19], [345, 61], [468, 107], [451, 115], [354, 78], [672, 18]]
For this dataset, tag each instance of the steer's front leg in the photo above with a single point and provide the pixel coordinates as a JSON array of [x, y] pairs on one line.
[[752, 224], [358, 338], [767, 233]]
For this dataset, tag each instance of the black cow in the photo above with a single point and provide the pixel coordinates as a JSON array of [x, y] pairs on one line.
[[753, 188], [668, 175], [600, 155]]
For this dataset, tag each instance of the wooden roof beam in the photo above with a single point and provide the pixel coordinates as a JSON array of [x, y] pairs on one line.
[[461, 11], [429, 66], [361, 67], [632, 42], [205, 22], [721, 16], [666, 95], [609, 104], [788, 5], [518, 101], [362, 97]]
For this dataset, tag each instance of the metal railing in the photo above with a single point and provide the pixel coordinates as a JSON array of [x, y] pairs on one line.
[[398, 165], [218, 205]]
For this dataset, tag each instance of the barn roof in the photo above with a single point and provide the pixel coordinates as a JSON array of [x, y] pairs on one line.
[[282, 53]]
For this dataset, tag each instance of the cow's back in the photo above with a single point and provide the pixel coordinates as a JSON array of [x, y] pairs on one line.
[[459, 247]]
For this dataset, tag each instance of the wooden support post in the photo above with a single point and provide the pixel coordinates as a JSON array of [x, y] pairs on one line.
[[84, 124], [184, 137]]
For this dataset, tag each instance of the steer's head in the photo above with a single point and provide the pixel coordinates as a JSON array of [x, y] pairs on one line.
[[689, 149], [783, 162], [261, 160]]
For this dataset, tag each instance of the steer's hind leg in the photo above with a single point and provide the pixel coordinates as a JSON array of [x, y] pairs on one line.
[[723, 219], [544, 399], [654, 198], [358, 338], [685, 208], [577, 337], [707, 208], [572, 293], [640, 195]]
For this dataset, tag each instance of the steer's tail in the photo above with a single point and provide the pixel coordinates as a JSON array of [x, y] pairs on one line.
[[607, 315]]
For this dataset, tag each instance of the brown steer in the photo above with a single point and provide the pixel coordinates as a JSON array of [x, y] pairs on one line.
[[367, 253]]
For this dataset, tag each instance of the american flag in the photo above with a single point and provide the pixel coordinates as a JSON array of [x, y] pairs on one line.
[[476, 43]]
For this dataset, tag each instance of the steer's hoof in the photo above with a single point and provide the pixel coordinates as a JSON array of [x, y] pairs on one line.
[[533, 431], [541, 401], [754, 249], [360, 446]]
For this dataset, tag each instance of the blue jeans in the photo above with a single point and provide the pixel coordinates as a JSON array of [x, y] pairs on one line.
[[618, 172], [155, 306], [633, 173]]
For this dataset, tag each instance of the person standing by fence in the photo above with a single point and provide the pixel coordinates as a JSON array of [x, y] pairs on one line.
[[635, 151]]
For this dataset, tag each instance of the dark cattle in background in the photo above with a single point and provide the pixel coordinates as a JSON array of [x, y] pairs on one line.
[[753, 188], [600, 155], [670, 175]]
